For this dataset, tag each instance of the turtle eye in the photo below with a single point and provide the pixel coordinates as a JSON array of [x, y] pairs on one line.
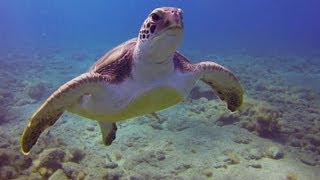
[[155, 17]]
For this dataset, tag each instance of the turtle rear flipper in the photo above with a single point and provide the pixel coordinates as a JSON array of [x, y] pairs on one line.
[[56, 104], [108, 132]]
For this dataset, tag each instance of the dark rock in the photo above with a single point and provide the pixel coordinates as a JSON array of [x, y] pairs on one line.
[[77, 155], [255, 165], [110, 165], [90, 128]]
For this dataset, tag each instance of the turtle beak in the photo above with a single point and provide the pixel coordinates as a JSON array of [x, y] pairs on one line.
[[175, 19]]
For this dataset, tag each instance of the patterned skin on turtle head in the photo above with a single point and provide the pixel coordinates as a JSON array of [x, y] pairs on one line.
[[160, 35], [159, 21]]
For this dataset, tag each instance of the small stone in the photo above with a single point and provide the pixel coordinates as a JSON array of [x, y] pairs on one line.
[[295, 143], [43, 171], [117, 155], [275, 152], [308, 160], [255, 165], [81, 175], [182, 126], [220, 165], [90, 128], [181, 168], [156, 126], [161, 156], [110, 165], [207, 172]]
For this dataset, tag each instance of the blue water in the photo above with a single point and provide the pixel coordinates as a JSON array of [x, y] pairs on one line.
[[220, 23], [272, 46]]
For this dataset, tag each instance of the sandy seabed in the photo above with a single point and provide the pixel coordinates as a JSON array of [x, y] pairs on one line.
[[276, 134]]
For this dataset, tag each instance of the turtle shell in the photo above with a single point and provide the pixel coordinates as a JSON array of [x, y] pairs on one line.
[[117, 63]]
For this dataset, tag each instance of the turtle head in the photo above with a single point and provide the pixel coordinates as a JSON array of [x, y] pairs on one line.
[[160, 34]]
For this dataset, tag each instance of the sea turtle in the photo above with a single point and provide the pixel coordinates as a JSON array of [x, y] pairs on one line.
[[141, 76]]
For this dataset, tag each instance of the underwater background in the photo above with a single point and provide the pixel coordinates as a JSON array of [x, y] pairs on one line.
[[272, 46]]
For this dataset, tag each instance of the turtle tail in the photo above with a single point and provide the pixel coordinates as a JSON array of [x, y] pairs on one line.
[[55, 105]]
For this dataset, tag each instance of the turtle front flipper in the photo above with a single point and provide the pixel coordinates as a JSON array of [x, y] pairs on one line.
[[223, 82], [55, 105]]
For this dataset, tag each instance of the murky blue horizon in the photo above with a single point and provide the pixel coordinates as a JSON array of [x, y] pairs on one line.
[[208, 23]]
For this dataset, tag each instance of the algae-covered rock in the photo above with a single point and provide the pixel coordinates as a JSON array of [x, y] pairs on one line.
[[233, 157], [77, 155], [50, 160], [5, 157], [58, 175], [74, 170], [110, 165], [275, 152], [207, 172], [129, 164], [14, 159], [259, 117], [116, 155], [8, 172]]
